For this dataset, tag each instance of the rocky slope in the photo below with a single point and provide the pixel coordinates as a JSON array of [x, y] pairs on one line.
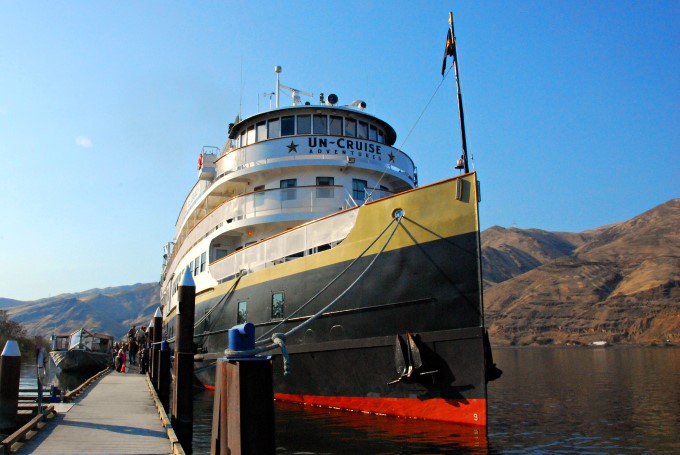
[[110, 310], [619, 283]]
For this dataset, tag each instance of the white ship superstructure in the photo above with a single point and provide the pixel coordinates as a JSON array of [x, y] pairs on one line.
[[279, 170]]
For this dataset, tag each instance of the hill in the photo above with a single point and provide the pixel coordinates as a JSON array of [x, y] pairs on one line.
[[111, 310], [619, 283]]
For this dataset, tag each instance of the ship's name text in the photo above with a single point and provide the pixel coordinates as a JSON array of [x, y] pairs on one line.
[[343, 146]]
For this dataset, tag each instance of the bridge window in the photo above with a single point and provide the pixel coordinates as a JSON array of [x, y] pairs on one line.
[[335, 126], [304, 124], [242, 316], [362, 131], [381, 136], [203, 262], [372, 133], [261, 131], [320, 124], [278, 299], [325, 192], [196, 266], [288, 126], [350, 127], [242, 141], [251, 135], [359, 189], [273, 128]]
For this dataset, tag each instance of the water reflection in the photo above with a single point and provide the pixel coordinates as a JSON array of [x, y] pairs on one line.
[[549, 400], [53, 377]]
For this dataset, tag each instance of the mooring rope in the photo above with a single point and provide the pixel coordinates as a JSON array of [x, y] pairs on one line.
[[264, 335], [278, 340]]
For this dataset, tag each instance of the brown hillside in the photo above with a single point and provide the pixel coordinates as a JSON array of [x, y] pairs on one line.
[[621, 285], [507, 253]]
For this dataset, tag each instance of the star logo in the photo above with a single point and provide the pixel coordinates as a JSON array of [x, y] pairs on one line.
[[391, 155], [292, 147]]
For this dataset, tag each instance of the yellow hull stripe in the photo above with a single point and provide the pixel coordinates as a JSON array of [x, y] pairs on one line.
[[430, 213]]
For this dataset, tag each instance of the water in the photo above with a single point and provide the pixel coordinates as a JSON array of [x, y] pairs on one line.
[[549, 401]]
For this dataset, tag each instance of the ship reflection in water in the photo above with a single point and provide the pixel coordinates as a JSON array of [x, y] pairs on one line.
[[316, 430], [549, 400]]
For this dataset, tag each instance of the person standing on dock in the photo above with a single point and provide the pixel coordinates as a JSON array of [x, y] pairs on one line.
[[120, 360], [143, 359], [116, 357]]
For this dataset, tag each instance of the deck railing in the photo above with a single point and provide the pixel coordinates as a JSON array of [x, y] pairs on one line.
[[316, 200]]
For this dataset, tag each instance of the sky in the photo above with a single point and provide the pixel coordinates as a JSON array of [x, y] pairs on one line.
[[572, 112]]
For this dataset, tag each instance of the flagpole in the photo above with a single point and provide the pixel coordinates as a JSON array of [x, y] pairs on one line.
[[460, 97]]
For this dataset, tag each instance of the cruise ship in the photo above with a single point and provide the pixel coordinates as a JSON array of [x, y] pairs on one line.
[[310, 224]]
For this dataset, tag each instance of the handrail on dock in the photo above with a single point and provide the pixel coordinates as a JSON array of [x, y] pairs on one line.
[[22, 434], [172, 436], [78, 390]]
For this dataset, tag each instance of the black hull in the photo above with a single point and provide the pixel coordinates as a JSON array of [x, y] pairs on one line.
[[426, 293]]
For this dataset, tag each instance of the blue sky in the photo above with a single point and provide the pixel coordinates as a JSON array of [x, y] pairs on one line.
[[572, 112]]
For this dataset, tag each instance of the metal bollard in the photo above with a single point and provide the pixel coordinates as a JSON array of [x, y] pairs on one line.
[[243, 411]]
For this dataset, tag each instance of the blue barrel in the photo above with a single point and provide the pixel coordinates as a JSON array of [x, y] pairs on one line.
[[242, 337]]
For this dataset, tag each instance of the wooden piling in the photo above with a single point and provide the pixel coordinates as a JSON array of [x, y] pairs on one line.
[[10, 373], [182, 396], [149, 351], [243, 411], [156, 348], [164, 379]]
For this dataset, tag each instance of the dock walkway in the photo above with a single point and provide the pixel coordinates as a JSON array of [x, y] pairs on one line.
[[117, 414]]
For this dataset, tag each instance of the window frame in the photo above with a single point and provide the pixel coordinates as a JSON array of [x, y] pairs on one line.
[[280, 307]]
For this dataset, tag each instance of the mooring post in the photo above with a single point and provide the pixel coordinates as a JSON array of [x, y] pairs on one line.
[[243, 410], [164, 378], [156, 348], [182, 395], [10, 372], [149, 352]]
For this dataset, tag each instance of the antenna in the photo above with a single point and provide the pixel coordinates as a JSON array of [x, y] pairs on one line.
[[294, 92], [270, 95], [240, 100], [277, 70]]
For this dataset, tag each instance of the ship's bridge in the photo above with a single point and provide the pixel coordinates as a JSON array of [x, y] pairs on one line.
[[309, 135]]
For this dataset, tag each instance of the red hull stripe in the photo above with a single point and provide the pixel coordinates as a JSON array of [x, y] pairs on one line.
[[469, 412]]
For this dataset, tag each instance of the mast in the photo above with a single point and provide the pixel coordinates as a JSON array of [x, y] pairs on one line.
[[451, 50]]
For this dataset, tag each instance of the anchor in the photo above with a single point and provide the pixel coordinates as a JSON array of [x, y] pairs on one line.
[[408, 360]]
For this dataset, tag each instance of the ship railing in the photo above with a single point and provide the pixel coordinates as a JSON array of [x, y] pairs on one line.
[[319, 200], [290, 245]]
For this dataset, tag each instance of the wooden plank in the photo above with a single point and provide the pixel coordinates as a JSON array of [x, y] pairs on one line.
[[23, 433], [115, 415]]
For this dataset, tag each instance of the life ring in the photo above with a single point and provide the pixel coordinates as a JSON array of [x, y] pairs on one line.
[[200, 161]]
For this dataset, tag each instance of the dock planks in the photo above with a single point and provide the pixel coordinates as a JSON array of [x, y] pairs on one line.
[[115, 415]]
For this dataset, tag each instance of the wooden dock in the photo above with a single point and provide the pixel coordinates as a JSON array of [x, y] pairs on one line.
[[117, 414]]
